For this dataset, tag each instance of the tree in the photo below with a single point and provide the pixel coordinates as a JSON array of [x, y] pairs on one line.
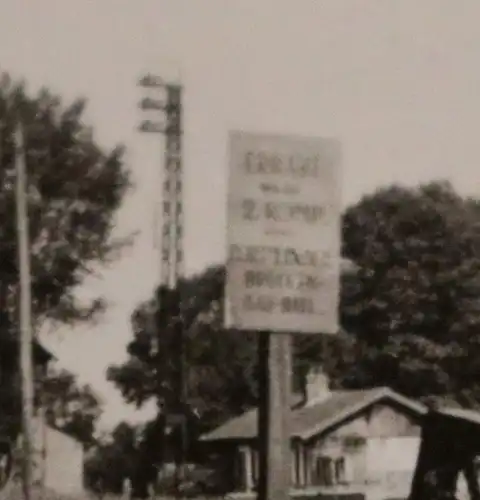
[[110, 463], [69, 407], [410, 315], [221, 364], [413, 308], [74, 190]]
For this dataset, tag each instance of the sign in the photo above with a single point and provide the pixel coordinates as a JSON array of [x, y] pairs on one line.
[[283, 236]]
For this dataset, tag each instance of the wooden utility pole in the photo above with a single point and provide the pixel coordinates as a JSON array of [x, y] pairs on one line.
[[26, 365], [275, 360]]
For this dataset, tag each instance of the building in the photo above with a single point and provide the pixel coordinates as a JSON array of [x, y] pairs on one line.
[[59, 457], [359, 444], [58, 460]]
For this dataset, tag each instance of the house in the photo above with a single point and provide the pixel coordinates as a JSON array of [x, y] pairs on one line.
[[58, 457], [359, 444], [58, 460]]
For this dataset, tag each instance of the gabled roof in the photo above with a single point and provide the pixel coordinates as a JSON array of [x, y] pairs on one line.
[[308, 421], [466, 415]]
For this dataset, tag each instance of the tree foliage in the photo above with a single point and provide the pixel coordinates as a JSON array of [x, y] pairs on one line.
[[74, 190], [410, 314], [69, 406], [110, 463], [220, 364], [414, 306]]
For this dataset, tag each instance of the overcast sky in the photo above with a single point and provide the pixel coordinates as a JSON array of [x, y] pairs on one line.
[[396, 82]]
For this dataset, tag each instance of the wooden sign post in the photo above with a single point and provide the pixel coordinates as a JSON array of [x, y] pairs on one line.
[[283, 270], [275, 354]]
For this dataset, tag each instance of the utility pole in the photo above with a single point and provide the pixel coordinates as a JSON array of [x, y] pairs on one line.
[[26, 336], [171, 253], [42, 376]]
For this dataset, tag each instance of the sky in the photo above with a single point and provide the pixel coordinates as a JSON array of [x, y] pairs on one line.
[[395, 82]]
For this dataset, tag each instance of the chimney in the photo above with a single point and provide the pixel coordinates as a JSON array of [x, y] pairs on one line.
[[317, 386]]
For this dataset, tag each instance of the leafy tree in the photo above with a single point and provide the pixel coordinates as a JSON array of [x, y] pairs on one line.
[[69, 407], [221, 365], [110, 463], [411, 312], [413, 308], [220, 368], [74, 190]]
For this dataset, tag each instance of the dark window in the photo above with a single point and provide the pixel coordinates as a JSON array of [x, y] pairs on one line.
[[329, 471]]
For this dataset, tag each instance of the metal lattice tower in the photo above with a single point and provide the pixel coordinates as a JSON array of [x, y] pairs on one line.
[[172, 235], [172, 255]]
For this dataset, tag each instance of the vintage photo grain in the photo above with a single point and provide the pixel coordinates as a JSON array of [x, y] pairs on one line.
[[239, 250]]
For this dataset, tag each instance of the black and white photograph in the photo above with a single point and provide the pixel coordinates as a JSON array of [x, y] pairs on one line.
[[239, 250]]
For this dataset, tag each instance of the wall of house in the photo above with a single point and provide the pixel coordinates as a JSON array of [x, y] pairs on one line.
[[59, 460], [64, 464], [375, 452], [390, 464], [391, 454]]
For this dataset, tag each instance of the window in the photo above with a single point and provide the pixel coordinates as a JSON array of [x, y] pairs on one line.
[[239, 473], [323, 473], [329, 471], [340, 475]]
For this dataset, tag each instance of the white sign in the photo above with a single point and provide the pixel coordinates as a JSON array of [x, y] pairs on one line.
[[283, 261]]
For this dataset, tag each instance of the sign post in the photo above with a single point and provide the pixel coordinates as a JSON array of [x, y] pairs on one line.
[[283, 269], [275, 360]]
